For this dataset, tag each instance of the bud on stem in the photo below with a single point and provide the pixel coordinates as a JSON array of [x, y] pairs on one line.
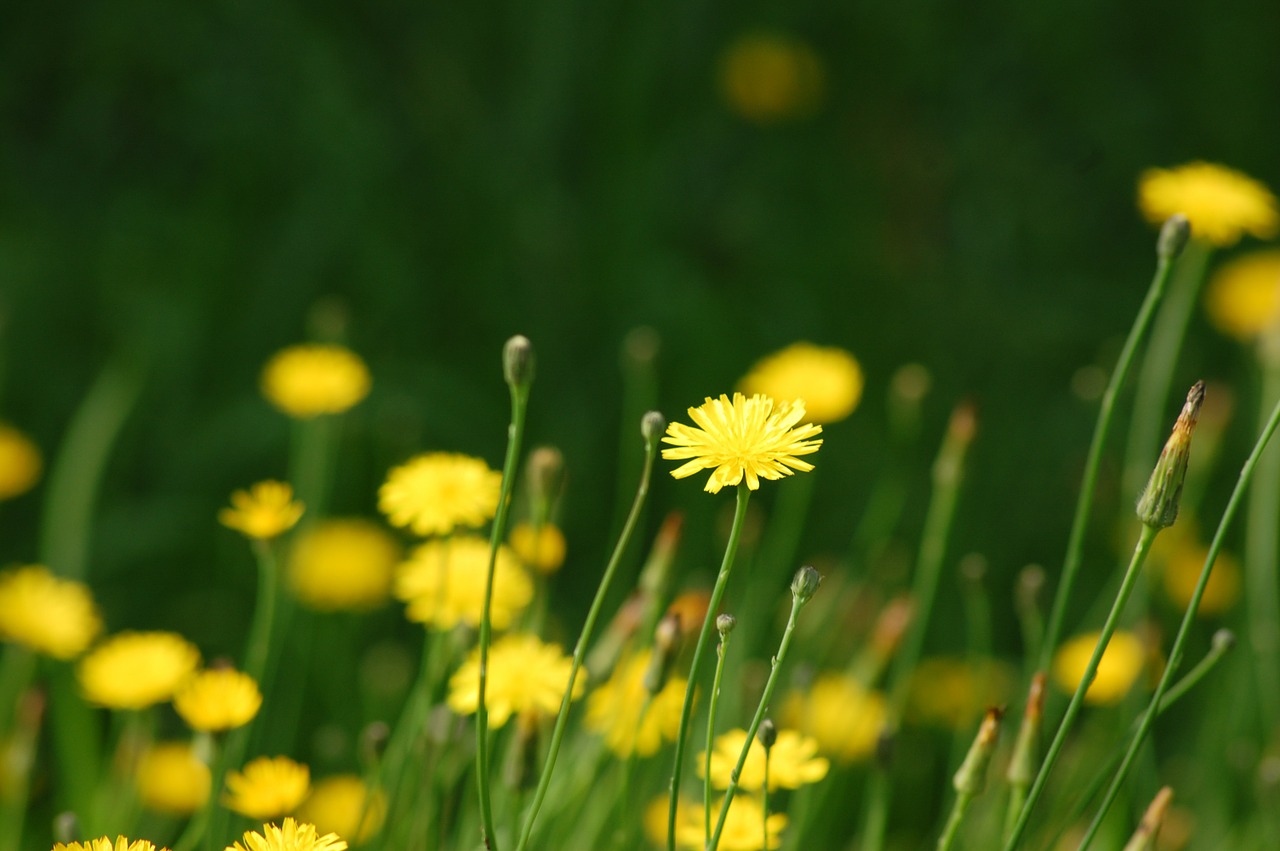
[[1158, 507]]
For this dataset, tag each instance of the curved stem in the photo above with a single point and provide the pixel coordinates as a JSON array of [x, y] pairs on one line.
[[721, 650]]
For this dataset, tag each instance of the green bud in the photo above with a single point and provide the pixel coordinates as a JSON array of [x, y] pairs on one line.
[[66, 827], [666, 640], [725, 624], [1158, 506], [1223, 640], [652, 425], [805, 584], [1144, 839], [1174, 235], [1023, 764], [971, 777], [768, 733], [517, 361]]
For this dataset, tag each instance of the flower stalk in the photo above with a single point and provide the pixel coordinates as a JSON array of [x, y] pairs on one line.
[[971, 778]]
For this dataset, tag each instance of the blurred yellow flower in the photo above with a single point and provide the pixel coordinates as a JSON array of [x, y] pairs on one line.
[[541, 549], [840, 713], [793, 761], [218, 699], [435, 493], [1121, 663], [744, 824], [768, 77], [263, 512], [267, 787], [342, 804], [309, 380], [953, 693], [48, 614], [134, 670], [20, 463], [1222, 204], [827, 380], [291, 835], [105, 844], [343, 564], [443, 583], [172, 779], [614, 708], [743, 438], [1243, 298], [1181, 573], [524, 675]]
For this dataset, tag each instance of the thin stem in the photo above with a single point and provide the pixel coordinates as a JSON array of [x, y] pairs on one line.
[[764, 802], [198, 827], [258, 651], [1262, 545], [954, 820], [20, 758], [721, 651]]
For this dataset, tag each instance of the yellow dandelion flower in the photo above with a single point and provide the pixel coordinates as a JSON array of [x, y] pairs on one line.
[[1243, 299], [218, 699], [50, 615], [746, 438], [134, 670], [827, 380], [1121, 663], [768, 77], [343, 564], [435, 493], [793, 761], [525, 675], [291, 835], [1181, 573], [840, 713], [20, 463], [172, 779], [105, 844], [541, 549], [263, 512], [1221, 204], [344, 805], [443, 583], [267, 787], [614, 709], [744, 824], [954, 693], [309, 380]]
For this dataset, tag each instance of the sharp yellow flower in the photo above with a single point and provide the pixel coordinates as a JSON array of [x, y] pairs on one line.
[[172, 779], [614, 709], [435, 493], [1121, 663], [1221, 204], [265, 511], [1243, 298], [268, 787], [793, 761], [443, 583], [827, 380], [20, 463], [744, 825], [134, 670], [105, 844], [49, 615], [742, 439], [218, 699], [840, 713], [309, 380], [344, 805], [342, 565], [524, 675], [768, 78], [289, 836], [541, 549]]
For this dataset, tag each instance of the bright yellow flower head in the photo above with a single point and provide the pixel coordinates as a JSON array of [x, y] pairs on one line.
[[218, 699], [954, 692], [1221, 204], [20, 463], [840, 713], [827, 380], [289, 836], [524, 675], [343, 805], [263, 512], [793, 761], [50, 615], [1121, 663], [1243, 299], [268, 787], [743, 438], [744, 824], [443, 583], [435, 493], [105, 844], [613, 709], [172, 779], [768, 78], [540, 549], [134, 670], [344, 564], [309, 380], [1181, 573]]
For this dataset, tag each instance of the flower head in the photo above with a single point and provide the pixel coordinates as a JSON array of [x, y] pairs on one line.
[[828, 380], [435, 493], [1121, 663], [268, 787], [524, 675], [443, 583], [263, 512], [343, 564], [134, 670], [1243, 298], [344, 805], [743, 438], [840, 713], [20, 463], [541, 548], [1181, 574], [1221, 204], [745, 824], [768, 77], [50, 615], [218, 699], [309, 380], [793, 761], [289, 836], [614, 709], [172, 779], [105, 844]]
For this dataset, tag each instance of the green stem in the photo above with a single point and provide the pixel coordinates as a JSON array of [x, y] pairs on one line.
[[1262, 591], [764, 802], [954, 820], [721, 650], [312, 459], [198, 827], [258, 651], [20, 755]]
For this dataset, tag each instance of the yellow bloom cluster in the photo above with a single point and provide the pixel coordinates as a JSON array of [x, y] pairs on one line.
[[1222, 204], [443, 583], [267, 787], [344, 805], [768, 77], [1243, 298], [343, 564], [134, 670], [291, 835], [616, 709], [745, 825], [172, 779], [309, 380], [793, 761], [265, 511], [435, 493], [827, 380], [218, 699], [105, 844], [50, 615], [20, 463], [1121, 663], [525, 675], [843, 715]]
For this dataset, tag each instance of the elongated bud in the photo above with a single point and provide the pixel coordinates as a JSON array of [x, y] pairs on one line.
[[517, 361], [655, 576], [373, 741], [768, 733], [545, 473], [1023, 764], [666, 640], [971, 777], [891, 625], [805, 584], [1158, 507], [1173, 237], [1144, 838], [652, 425]]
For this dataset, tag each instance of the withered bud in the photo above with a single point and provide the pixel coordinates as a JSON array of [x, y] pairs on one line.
[[892, 624], [1144, 838], [971, 777], [1023, 764], [1158, 506]]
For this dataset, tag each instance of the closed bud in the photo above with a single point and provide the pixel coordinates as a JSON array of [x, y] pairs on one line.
[[545, 473], [725, 624], [1144, 839], [805, 584], [517, 361], [373, 740], [768, 733], [1158, 506], [971, 777], [652, 425], [1023, 764], [1174, 235], [66, 827], [666, 640], [1223, 640]]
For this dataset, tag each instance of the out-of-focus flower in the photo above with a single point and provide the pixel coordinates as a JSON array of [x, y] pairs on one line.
[[525, 675], [1222, 204], [264, 511], [1181, 573], [267, 787], [105, 844], [541, 549], [289, 836], [1243, 297], [954, 692], [793, 761], [1121, 663], [614, 708], [218, 699], [840, 713], [344, 805], [827, 380], [48, 614], [769, 77], [313, 379], [745, 825], [172, 779], [20, 463], [435, 493], [134, 670], [343, 564], [443, 583]]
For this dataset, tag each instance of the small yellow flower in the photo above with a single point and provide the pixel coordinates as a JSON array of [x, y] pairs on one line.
[[746, 438], [105, 844], [20, 463], [1181, 573], [1121, 663], [827, 380], [840, 713], [1243, 299], [613, 709], [344, 805], [218, 699], [435, 493], [954, 693], [1221, 204], [263, 512], [134, 670], [769, 77], [524, 675], [443, 583], [268, 787], [793, 761], [172, 779], [50, 615], [541, 549], [309, 380], [744, 824], [343, 564], [290, 836]]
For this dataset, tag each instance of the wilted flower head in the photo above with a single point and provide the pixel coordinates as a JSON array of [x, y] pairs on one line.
[[265, 511], [20, 462], [614, 709], [172, 779], [218, 699], [1243, 297], [435, 493], [343, 804], [525, 675], [268, 787], [309, 380], [1121, 663], [343, 564], [827, 380], [443, 583], [134, 670], [1221, 204], [769, 77], [48, 614], [793, 761], [289, 836]]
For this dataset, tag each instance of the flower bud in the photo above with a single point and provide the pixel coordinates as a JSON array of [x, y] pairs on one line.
[[1223, 640], [725, 624], [517, 361], [971, 777], [1174, 235], [666, 641], [1158, 506], [1144, 839], [768, 733], [805, 584], [1023, 763], [652, 425]]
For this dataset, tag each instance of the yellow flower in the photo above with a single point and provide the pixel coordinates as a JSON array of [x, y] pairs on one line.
[[954, 692], [443, 583], [613, 709], [50, 615], [1221, 204], [105, 844], [744, 824], [747, 438], [344, 805], [1181, 573], [840, 713], [435, 493], [767, 78], [541, 549], [134, 670], [827, 380], [268, 787], [524, 675], [309, 380], [172, 779], [290, 836], [20, 463], [1243, 299], [343, 564], [218, 699], [793, 761], [1121, 663], [263, 512]]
